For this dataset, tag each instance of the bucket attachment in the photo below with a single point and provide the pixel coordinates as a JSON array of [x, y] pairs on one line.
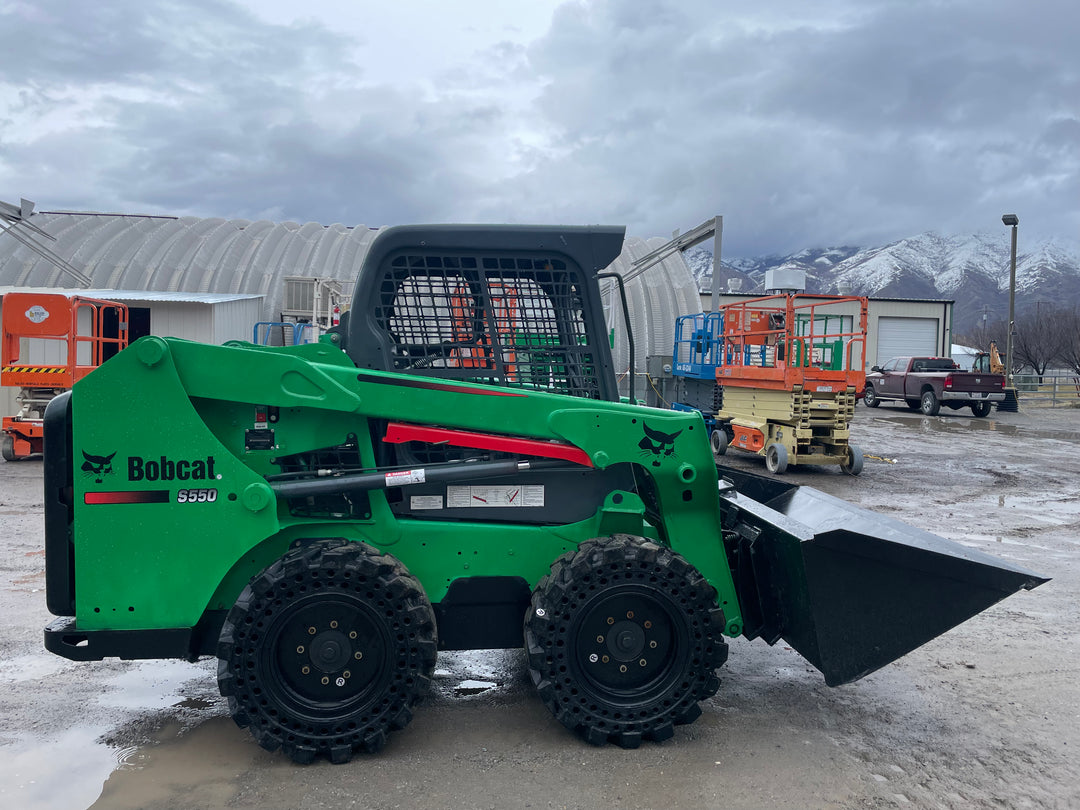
[[849, 589]]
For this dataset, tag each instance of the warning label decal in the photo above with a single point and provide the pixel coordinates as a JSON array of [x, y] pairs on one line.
[[501, 496]]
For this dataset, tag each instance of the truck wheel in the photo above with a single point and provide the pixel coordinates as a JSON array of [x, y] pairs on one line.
[[980, 409], [326, 651], [929, 404], [623, 638], [870, 397], [718, 439], [776, 459], [854, 460]]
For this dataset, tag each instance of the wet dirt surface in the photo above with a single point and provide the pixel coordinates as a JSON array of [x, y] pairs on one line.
[[986, 715]]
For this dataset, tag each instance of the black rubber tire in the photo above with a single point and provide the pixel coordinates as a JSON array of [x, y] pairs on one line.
[[854, 461], [320, 608], [980, 409], [913, 404], [667, 618], [718, 440], [870, 398], [776, 459], [7, 447], [929, 404]]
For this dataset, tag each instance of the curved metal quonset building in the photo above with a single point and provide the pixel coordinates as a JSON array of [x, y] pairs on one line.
[[656, 296], [202, 256], [185, 254]]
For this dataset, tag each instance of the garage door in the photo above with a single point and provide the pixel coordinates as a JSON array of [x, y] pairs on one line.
[[906, 336]]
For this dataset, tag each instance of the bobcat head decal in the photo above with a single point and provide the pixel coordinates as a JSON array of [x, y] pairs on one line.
[[657, 444], [97, 466]]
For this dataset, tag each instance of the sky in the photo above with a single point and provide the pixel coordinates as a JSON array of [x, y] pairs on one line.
[[838, 122]]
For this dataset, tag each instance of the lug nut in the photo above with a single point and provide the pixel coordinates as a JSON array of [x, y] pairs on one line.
[[333, 625], [300, 650]]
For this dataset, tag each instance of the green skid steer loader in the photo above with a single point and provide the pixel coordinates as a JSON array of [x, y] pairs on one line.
[[452, 468]]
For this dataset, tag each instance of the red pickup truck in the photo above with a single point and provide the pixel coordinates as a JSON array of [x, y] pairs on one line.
[[927, 383]]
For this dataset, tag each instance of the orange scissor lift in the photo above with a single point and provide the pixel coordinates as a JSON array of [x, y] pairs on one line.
[[790, 368], [51, 341]]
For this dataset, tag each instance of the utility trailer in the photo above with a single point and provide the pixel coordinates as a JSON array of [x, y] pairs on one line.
[[452, 469], [777, 376], [49, 342]]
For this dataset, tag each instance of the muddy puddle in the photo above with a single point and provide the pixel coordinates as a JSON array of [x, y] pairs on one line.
[[202, 765], [957, 424], [47, 771], [32, 781], [179, 741]]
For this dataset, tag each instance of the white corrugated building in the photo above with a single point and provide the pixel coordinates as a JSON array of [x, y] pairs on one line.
[[214, 279]]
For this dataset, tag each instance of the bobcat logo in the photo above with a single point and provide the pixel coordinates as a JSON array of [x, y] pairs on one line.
[[97, 466], [658, 444]]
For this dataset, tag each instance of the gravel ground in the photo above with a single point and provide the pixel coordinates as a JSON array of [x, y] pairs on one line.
[[987, 715]]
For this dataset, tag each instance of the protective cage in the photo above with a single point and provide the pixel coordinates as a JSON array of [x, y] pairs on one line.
[[514, 321]]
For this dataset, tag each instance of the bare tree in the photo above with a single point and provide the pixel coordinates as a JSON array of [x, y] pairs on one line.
[[1068, 322], [1039, 339], [983, 333]]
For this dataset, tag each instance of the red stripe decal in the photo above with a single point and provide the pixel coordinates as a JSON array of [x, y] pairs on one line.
[[142, 496], [396, 433]]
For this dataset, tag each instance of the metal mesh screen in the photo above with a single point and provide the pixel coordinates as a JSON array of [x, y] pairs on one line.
[[514, 321]]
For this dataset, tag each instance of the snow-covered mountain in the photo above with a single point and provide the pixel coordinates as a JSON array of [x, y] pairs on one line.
[[972, 270]]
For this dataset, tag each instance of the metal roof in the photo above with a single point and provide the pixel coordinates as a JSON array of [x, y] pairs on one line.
[[186, 254], [655, 298], [153, 296], [159, 258]]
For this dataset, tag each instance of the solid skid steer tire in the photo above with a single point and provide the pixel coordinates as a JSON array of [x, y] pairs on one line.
[[327, 651], [623, 639]]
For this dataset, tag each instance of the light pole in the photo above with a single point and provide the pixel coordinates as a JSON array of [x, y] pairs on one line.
[[1010, 221]]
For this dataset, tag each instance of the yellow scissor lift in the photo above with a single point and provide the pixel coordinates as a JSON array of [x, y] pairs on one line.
[[790, 368]]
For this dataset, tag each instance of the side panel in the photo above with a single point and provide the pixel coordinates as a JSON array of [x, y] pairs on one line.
[[147, 556], [173, 512]]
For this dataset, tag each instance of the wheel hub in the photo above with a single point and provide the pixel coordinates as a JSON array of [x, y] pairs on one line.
[[626, 641], [330, 651]]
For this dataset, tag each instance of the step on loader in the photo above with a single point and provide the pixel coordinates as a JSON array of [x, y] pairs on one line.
[[452, 468]]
